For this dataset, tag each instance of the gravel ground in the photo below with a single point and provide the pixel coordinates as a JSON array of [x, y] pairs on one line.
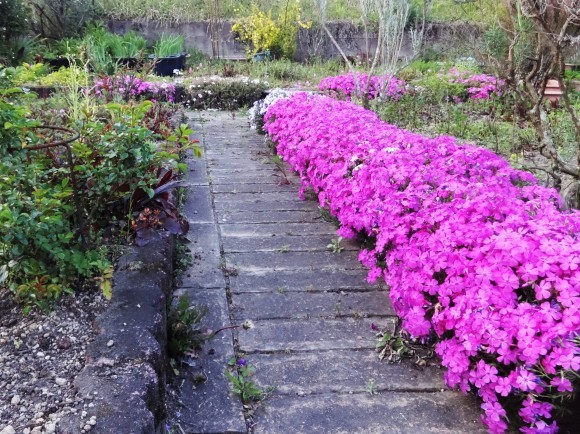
[[40, 355]]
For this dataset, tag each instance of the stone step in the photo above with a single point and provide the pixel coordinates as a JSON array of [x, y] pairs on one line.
[[387, 412], [312, 335], [341, 371], [295, 305]]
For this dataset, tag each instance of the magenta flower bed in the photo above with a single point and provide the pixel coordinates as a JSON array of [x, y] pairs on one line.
[[479, 86], [349, 85], [130, 86], [475, 253]]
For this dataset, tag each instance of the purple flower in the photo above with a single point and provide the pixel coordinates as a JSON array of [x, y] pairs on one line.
[[241, 362]]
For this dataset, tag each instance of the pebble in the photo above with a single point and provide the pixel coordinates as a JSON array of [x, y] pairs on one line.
[[87, 427], [60, 381], [15, 400], [110, 343], [50, 428], [8, 430]]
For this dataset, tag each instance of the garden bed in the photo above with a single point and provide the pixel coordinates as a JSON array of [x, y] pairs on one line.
[[443, 220]]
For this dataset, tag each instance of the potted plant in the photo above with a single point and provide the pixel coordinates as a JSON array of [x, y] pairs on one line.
[[127, 50], [96, 45], [168, 54]]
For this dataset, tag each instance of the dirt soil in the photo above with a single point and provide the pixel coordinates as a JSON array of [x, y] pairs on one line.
[[40, 355]]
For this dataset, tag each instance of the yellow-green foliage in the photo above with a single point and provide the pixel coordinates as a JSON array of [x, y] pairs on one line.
[[64, 76], [25, 73], [260, 32]]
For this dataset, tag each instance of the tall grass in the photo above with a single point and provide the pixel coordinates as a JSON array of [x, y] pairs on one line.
[[191, 10]]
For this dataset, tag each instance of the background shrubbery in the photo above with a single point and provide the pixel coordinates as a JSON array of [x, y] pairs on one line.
[[223, 93]]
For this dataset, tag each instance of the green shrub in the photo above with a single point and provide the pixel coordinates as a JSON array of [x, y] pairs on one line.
[[25, 74], [438, 88], [64, 76], [57, 19], [15, 46], [223, 93], [40, 252], [13, 19], [97, 46], [260, 32], [45, 243]]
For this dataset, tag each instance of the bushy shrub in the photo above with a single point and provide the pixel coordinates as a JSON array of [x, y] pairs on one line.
[[13, 19], [64, 76], [56, 19], [477, 255], [223, 93], [354, 85], [258, 110], [126, 87], [40, 251], [260, 32]]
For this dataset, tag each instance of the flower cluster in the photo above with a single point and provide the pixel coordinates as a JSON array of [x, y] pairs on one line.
[[475, 253], [479, 86], [223, 93], [258, 110], [353, 85], [129, 86]]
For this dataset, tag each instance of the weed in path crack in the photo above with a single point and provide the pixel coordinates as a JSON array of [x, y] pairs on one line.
[[335, 246], [396, 346]]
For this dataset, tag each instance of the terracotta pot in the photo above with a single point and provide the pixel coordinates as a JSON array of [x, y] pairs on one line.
[[553, 92]]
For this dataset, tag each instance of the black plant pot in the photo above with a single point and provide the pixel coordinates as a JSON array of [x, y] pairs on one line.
[[130, 62], [164, 66], [58, 63]]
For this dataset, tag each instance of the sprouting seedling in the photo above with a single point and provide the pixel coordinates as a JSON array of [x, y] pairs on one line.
[[335, 246], [242, 382], [372, 386]]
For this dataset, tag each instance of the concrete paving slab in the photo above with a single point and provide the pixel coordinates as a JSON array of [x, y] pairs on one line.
[[275, 305], [205, 270], [240, 197], [384, 413], [341, 371], [284, 216], [300, 280], [206, 408], [312, 335], [276, 243], [198, 207], [269, 177], [294, 260], [196, 171], [255, 188], [269, 229], [258, 204]]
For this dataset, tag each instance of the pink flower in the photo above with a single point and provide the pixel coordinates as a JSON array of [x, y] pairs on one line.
[[475, 253]]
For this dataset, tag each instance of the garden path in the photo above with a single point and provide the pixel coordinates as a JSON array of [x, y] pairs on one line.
[[260, 254]]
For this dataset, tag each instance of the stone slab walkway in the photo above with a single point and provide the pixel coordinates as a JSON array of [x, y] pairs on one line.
[[260, 254]]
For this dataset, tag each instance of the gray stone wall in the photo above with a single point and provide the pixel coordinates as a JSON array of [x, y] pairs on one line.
[[457, 39]]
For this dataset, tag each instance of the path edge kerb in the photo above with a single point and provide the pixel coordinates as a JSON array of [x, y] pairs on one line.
[[125, 371]]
